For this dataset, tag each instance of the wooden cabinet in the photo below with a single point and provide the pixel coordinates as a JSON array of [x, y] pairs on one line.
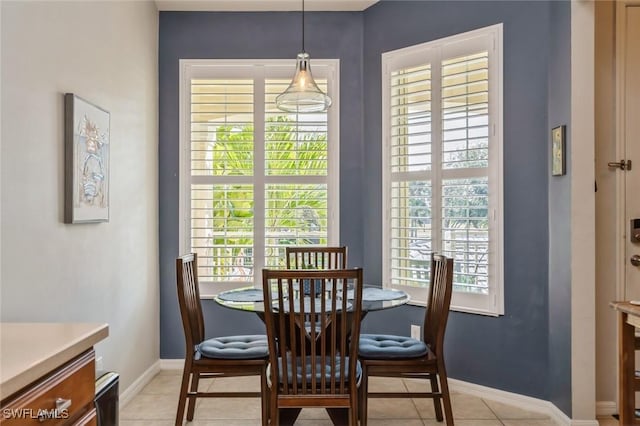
[[47, 373], [63, 397], [628, 382], [89, 419]]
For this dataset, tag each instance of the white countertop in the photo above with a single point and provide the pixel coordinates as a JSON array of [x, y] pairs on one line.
[[28, 351]]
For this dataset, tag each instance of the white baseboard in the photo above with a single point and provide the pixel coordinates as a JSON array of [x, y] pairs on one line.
[[606, 408], [522, 401], [172, 364], [135, 387]]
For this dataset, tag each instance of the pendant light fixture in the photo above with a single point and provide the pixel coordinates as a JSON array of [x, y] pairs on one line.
[[303, 94]]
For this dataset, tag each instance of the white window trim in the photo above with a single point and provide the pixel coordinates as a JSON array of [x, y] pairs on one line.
[[492, 304], [279, 68]]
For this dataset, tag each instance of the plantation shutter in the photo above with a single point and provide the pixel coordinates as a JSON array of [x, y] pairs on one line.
[[222, 156], [296, 176], [411, 157], [465, 169], [256, 179], [442, 166]]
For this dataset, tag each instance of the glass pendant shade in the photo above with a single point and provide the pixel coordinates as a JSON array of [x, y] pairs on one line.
[[303, 94]]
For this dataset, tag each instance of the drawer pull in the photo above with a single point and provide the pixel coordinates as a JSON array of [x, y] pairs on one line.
[[62, 404]]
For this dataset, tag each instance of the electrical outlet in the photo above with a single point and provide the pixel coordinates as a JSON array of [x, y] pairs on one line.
[[415, 332], [99, 364]]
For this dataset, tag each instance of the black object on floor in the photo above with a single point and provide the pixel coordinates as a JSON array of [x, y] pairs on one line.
[[107, 399]]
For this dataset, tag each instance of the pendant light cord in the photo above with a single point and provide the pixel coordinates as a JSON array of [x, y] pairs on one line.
[[303, 26]]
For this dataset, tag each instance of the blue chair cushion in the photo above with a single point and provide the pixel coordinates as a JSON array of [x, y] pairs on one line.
[[319, 369], [234, 347], [385, 346], [317, 287]]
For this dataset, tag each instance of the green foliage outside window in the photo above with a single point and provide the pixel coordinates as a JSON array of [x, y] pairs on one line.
[[295, 213]]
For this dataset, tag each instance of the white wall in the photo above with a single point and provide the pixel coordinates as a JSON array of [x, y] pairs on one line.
[[607, 236], [0, 154], [105, 52], [583, 222]]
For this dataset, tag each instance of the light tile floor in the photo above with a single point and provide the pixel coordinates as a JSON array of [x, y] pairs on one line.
[[156, 405]]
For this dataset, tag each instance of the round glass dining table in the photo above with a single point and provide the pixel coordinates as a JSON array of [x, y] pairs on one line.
[[251, 299], [374, 298]]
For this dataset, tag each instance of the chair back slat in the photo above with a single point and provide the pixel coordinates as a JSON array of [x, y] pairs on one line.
[[310, 335], [439, 301], [315, 257], [189, 300]]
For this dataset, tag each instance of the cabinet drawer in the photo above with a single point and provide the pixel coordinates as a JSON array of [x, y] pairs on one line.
[[89, 419], [72, 385]]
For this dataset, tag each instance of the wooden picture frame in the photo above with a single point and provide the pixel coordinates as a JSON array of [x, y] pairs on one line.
[[87, 140], [558, 151]]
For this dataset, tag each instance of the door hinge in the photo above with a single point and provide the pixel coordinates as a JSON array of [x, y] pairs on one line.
[[622, 165]]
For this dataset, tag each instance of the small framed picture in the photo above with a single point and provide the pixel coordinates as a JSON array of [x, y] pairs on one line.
[[87, 137], [558, 157]]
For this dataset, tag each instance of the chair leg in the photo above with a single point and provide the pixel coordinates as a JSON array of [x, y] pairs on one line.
[[354, 414], [363, 396], [182, 401], [437, 404], [264, 397], [274, 412], [191, 407], [446, 397]]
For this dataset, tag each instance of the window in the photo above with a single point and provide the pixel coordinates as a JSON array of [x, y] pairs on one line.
[[254, 179], [442, 166]]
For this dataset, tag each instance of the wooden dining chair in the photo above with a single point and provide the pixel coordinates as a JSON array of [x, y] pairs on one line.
[[316, 257], [227, 356], [400, 356], [313, 354]]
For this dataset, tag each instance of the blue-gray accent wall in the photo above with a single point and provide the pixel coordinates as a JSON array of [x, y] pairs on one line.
[[517, 352], [560, 212], [508, 352], [198, 35]]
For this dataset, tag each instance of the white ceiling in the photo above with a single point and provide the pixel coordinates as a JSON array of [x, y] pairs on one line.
[[263, 5]]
